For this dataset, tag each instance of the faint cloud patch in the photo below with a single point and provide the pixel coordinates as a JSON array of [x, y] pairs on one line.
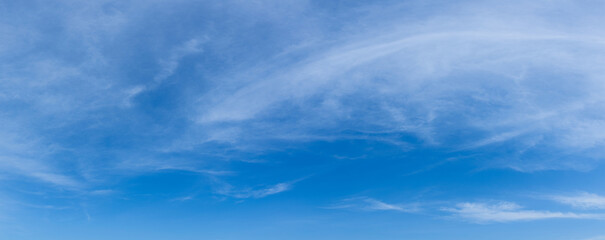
[[230, 191], [508, 212], [371, 204], [582, 201]]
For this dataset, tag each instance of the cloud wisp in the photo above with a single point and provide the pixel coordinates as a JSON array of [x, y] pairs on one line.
[[602, 237], [472, 212], [108, 105], [582, 201], [371, 204], [469, 70], [509, 212], [230, 191], [477, 73]]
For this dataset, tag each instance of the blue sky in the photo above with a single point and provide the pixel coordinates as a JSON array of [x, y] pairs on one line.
[[302, 119]]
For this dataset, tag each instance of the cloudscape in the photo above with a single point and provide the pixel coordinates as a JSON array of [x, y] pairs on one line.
[[302, 119]]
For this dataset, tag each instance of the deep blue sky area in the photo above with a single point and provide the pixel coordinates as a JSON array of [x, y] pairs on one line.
[[302, 119]]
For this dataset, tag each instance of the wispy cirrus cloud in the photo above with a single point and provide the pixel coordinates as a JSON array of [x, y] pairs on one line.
[[470, 77], [596, 238], [473, 212], [480, 71], [168, 65], [467, 70], [371, 204], [509, 212], [22, 155], [582, 201], [261, 192]]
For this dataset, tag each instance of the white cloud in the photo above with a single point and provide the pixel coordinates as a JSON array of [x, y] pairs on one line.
[[169, 65], [183, 199], [582, 201], [36, 169], [24, 155], [102, 192], [230, 191], [500, 76], [509, 212], [515, 73], [596, 238], [371, 204]]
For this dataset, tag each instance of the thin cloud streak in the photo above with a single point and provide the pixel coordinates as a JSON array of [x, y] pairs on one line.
[[596, 238], [427, 65], [582, 201], [509, 212], [230, 191], [371, 204], [139, 100]]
